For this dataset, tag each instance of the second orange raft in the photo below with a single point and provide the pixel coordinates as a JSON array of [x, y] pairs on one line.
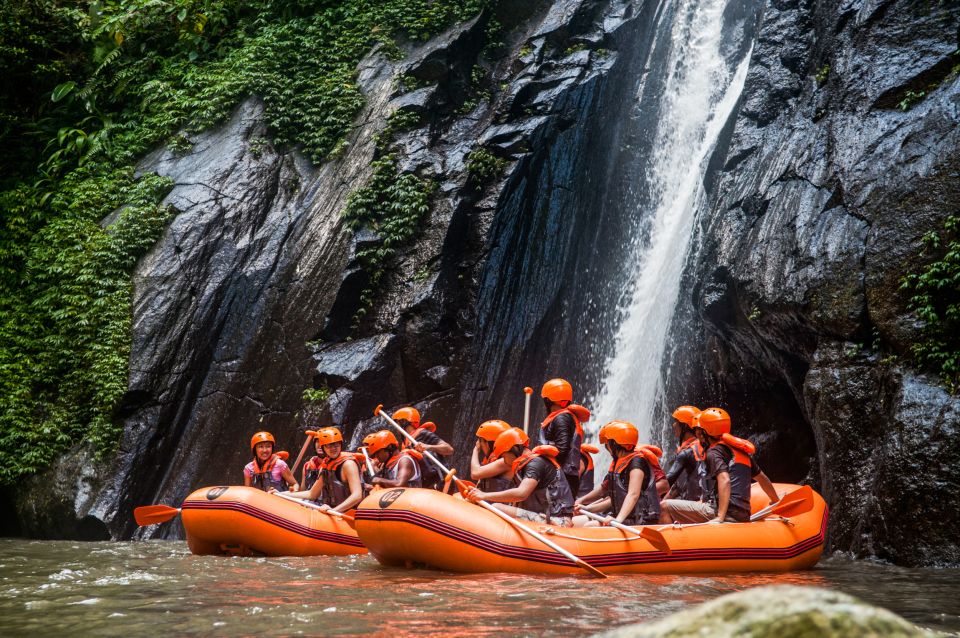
[[419, 527]]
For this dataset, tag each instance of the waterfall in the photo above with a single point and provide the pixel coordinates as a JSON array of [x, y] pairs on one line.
[[693, 88]]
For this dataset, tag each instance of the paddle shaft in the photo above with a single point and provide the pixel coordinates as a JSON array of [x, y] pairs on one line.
[[313, 506], [366, 458], [654, 537], [609, 521], [490, 508], [526, 409], [303, 450]]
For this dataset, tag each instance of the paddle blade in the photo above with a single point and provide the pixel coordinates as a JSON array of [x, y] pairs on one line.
[[799, 501], [656, 539], [590, 568], [376, 410], [154, 514]]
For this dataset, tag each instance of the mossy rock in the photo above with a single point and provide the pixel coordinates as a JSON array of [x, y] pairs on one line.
[[777, 612]]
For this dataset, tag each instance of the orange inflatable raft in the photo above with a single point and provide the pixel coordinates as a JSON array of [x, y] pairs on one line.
[[247, 521], [419, 527]]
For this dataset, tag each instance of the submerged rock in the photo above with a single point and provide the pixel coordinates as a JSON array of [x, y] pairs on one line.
[[777, 612]]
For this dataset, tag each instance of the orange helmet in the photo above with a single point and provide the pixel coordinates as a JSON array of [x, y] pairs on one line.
[[407, 414], [490, 430], [506, 441], [380, 441], [523, 436], [367, 439], [329, 435], [620, 432], [260, 437], [686, 414], [557, 391], [714, 421]]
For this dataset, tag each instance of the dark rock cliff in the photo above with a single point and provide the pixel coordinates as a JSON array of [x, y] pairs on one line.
[[793, 312]]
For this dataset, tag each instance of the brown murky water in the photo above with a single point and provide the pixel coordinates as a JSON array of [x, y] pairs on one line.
[[159, 588]]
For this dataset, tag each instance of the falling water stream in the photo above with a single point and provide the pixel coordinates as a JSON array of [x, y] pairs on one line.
[[694, 95]]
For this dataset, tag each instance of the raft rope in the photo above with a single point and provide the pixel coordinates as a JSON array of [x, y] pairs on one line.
[[678, 526]]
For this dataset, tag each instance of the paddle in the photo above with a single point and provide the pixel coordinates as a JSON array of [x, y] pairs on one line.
[[366, 458], [303, 450], [799, 501], [653, 536], [314, 506], [490, 508], [154, 514], [526, 408]]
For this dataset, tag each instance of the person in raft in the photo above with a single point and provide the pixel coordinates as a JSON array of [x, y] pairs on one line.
[[267, 470], [491, 476], [427, 441], [338, 486], [688, 472], [630, 488], [730, 471], [539, 487], [313, 467], [398, 467], [659, 476], [586, 468], [562, 429]]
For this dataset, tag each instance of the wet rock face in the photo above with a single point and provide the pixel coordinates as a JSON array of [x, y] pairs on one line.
[[833, 172], [249, 298], [771, 612]]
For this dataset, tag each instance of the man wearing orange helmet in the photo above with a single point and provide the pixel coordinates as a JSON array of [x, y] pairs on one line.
[[267, 470], [629, 489], [398, 467], [562, 429], [491, 476], [427, 441], [539, 487], [688, 472], [339, 486], [730, 473]]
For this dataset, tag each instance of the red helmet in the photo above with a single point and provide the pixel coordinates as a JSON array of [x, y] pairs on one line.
[[490, 430], [380, 441], [557, 391], [686, 414], [620, 432], [714, 421], [408, 414], [506, 441], [260, 437], [329, 435]]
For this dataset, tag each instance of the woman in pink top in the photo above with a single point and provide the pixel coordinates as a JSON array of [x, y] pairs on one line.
[[267, 470]]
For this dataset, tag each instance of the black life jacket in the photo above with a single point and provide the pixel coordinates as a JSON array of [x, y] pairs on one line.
[[263, 476], [554, 499], [335, 488], [311, 472], [741, 477], [691, 483], [647, 509], [494, 483], [570, 465], [389, 470]]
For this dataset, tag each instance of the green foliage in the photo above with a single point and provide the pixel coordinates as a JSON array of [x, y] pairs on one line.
[[935, 299], [65, 323], [316, 395], [910, 98], [484, 166], [97, 85], [822, 74], [393, 205]]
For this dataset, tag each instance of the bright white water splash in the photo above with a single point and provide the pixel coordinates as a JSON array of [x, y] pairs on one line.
[[701, 89]]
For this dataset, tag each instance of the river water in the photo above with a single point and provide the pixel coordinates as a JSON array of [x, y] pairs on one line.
[[158, 587]]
